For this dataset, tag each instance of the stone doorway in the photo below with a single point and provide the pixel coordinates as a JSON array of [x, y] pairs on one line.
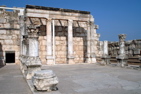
[[10, 57]]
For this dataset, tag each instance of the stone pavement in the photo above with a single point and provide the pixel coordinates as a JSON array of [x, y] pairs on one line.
[[96, 79], [12, 80], [76, 79]]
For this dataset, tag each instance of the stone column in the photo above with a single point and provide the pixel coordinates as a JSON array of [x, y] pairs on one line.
[[33, 61], [50, 59], [70, 42], [88, 59], [93, 39], [22, 29], [122, 58], [24, 45], [105, 55]]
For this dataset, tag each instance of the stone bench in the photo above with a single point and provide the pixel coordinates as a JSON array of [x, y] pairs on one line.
[[45, 80]]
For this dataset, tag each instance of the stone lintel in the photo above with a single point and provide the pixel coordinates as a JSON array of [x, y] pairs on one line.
[[56, 9]]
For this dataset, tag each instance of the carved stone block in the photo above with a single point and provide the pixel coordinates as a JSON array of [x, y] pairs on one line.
[[33, 64], [45, 80]]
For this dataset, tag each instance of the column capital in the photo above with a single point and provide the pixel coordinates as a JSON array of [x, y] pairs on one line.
[[49, 19], [122, 37], [96, 26], [33, 31], [89, 23], [70, 21]]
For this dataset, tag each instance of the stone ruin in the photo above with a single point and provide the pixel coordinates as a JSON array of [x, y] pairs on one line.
[[64, 36], [124, 53], [37, 35]]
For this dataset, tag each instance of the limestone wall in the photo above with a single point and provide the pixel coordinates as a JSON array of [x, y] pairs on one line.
[[9, 34], [61, 47], [42, 48], [42, 15], [80, 45], [132, 48]]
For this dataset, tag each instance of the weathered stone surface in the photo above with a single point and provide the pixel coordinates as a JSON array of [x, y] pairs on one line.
[[14, 25], [56, 9], [122, 58], [33, 64], [45, 80]]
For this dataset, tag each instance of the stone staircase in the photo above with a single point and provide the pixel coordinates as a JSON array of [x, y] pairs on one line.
[[98, 59], [134, 61], [113, 59]]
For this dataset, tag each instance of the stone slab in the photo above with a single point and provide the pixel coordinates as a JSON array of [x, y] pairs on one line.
[[96, 79], [12, 80]]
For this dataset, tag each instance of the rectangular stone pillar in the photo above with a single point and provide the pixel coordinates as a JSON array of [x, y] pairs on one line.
[[33, 47], [92, 42], [105, 48], [50, 59], [105, 55], [88, 60], [70, 42]]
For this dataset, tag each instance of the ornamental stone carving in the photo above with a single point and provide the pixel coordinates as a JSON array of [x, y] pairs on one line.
[[45, 80], [122, 37]]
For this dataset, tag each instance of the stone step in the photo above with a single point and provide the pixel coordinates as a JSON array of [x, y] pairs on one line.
[[134, 63], [138, 61]]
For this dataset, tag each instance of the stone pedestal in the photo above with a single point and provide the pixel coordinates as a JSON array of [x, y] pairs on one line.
[[122, 58], [106, 59], [45, 80], [122, 61], [33, 64]]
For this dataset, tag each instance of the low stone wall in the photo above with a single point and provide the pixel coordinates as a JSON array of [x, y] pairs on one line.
[[132, 48]]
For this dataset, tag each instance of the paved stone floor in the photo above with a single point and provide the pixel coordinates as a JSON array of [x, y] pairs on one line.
[[12, 80], [77, 79], [96, 79]]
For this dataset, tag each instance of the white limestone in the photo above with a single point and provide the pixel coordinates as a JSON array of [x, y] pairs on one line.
[[70, 42], [45, 80]]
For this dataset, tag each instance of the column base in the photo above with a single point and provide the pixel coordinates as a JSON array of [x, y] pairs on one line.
[[105, 60], [93, 60], [88, 60], [50, 60], [45, 80], [70, 60], [122, 62]]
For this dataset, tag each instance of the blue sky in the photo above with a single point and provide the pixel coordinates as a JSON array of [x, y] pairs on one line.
[[113, 16]]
